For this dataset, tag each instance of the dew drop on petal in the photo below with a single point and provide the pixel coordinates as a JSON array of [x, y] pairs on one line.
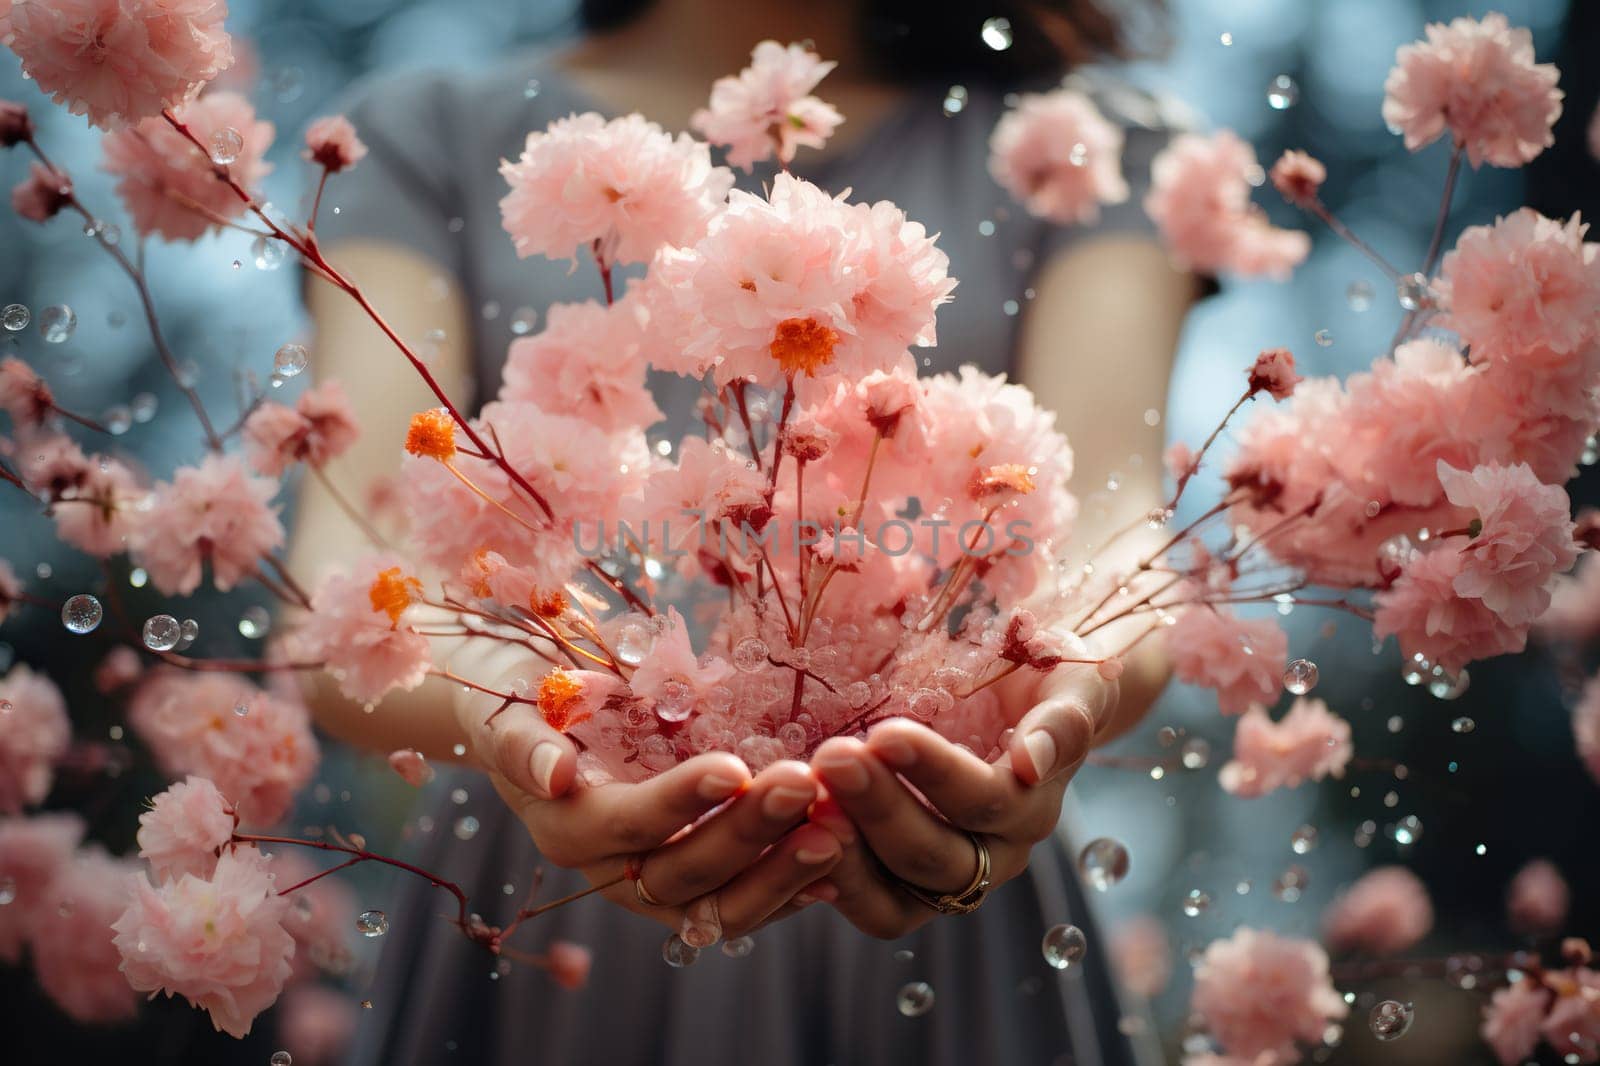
[[372, 924], [750, 654], [15, 317], [738, 947], [81, 614], [162, 632], [1195, 903], [1282, 93], [290, 360], [1300, 676], [57, 322], [678, 954], [226, 144], [914, 999], [1064, 945], [1391, 1019], [1103, 862]]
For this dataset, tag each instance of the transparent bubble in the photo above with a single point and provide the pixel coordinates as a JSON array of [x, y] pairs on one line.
[[226, 145], [523, 319], [1413, 293], [1358, 295], [1103, 862], [1303, 840], [254, 623], [267, 253], [1391, 1019], [290, 360], [1323, 337], [143, 407], [1300, 677], [82, 614], [188, 632], [633, 643], [1282, 93], [1064, 945], [372, 924], [1225, 39], [1290, 884], [750, 654], [162, 632], [15, 317], [1444, 685], [117, 419], [1463, 725], [738, 947], [955, 100], [281, 1058], [1195, 753], [531, 89], [678, 954], [56, 323], [914, 999], [675, 701], [1195, 903], [997, 33]]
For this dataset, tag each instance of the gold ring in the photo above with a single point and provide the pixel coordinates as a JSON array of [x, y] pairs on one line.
[[968, 899], [643, 894]]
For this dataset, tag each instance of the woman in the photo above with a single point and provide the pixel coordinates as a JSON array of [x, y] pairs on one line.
[[1088, 319]]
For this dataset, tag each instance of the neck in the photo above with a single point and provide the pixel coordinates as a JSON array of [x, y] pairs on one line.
[[704, 39]]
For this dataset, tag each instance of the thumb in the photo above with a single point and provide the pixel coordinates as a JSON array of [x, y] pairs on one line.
[[514, 742], [1074, 704]]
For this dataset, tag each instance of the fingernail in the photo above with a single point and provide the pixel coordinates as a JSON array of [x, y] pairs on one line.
[[717, 787], [803, 899], [813, 856], [546, 757], [845, 774], [702, 925], [1041, 752], [785, 802], [897, 753]]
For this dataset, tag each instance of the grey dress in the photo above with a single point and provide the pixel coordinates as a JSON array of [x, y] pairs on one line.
[[814, 991]]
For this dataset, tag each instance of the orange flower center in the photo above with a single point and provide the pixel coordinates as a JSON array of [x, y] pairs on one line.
[[1006, 477], [432, 435], [803, 344], [550, 605], [559, 696], [392, 592]]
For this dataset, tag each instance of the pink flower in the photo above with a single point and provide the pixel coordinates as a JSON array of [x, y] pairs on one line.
[[213, 512], [16, 127], [588, 362], [1523, 538], [169, 187], [1180, 461], [1572, 1028], [257, 748], [1243, 659], [121, 667], [118, 60], [99, 515], [1258, 992], [671, 675], [411, 766], [1512, 1019], [710, 492], [32, 850], [185, 829], [354, 627], [1384, 913], [623, 187], [1479, 80], [1058, 156], [1143, 956], [319, 427], [34, 733], [1525, 283], [1297, 177], [1586, 726], [70, 938], [1200, 201], [219, 943], [1273, 373], [568, 964], [23, 395], [1574, 612], [332, 144], [1538, 898], [768, 106], [1434, 623], [42, 194], [315, 1024], [1308, 744]]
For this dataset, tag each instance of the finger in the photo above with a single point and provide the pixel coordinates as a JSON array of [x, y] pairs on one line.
[[979, 797], [624, 819], [914, 843], [520, 746], [744, 903], [721, 847], [869, 901], [1055, 736]]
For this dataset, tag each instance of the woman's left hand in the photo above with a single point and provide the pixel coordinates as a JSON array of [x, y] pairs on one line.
[[891, 837]]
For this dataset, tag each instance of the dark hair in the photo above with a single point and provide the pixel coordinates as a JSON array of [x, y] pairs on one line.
[[914, 40]]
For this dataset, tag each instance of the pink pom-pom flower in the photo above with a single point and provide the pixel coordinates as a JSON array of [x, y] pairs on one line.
[[1538, 899], [355, 627], [1384, 913], [1297, 176], [42, 194], [71, 938], [1513, 1018], [32, 850], [1521, 539], [185, 829], [215, 512], [320, 426], [1056, 154], [768, 108], [1260, 993], [1308, 744], [332, 144], [34, 734], [1273, 373], [23, 396], [1242, 659]]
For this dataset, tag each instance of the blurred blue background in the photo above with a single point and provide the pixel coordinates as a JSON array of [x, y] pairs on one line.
[[1511, 786]]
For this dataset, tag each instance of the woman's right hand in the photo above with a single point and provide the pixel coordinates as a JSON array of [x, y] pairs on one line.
[[720, 877]]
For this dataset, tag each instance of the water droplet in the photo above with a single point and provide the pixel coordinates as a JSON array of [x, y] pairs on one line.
[[1064, 945], [254, 623], [675, 700], [267, 253], [1195, 753], [143, 407], [289, 360], [1225, 39], [82, 614], [1303, 839], [117, 419], [1413, 293], [138, 577], [1463, 725], [281, 1058], [750, 654], [997, 33], [678, 954], [372, 924], [1323, 337], [955, 100], [1591, 452], [1300, 677], [1195, 903], [531, 89], [162, 632], [1290, 884], [466, 827], [15, 317], [8, 890], [1103, 862], [1391, 1019], [523, 319], [914, 999], [904, 955], [1358, 295], [226, 144], [738, 947], [1282, 93], [56, 323], [1444, 685]]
